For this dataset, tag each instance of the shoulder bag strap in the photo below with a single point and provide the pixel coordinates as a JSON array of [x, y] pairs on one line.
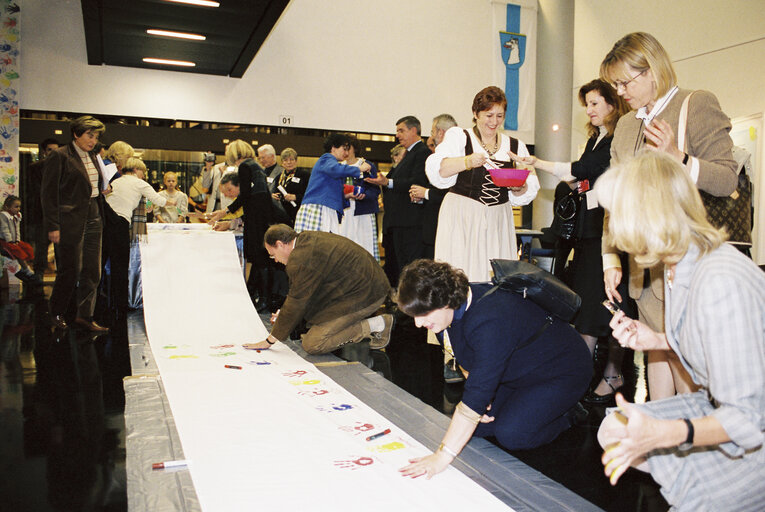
[[534, 337], [682, 124]]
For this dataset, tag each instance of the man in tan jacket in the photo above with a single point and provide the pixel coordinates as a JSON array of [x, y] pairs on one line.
[[334, 284]]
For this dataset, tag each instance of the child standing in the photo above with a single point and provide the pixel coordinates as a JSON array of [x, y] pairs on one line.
[[170, 214], [10, 239]]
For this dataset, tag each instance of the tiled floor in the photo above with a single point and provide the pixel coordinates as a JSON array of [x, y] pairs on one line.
[[62, 424]]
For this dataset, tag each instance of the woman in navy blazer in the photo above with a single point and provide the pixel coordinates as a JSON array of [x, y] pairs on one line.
[[522, 394]]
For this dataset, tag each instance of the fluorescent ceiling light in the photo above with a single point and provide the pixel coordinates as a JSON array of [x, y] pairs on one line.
[[169, 62], [203, 3], [179, 35]]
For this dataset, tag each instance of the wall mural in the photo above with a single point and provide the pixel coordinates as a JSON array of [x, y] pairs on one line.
[[9, 102]]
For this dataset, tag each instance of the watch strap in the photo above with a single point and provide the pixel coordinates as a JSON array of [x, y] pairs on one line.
[[688, 443]]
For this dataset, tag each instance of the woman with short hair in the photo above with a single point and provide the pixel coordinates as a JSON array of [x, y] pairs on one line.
[[322, 207], [523, 380], [704, 448], [476, 223]]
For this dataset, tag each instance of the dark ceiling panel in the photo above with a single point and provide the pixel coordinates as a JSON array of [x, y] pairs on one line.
[[115, 33]]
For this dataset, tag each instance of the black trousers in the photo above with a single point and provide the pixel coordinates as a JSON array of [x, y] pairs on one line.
[[117, 251], [407, 245], [78, 265]]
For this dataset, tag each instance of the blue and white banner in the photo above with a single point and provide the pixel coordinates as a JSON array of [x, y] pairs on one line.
[[517, 66]]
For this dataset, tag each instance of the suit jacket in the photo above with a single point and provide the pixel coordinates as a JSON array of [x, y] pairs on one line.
[[400, 211], [430, 214], [297, 185], [65, 191], [707, 139], [329, 277], [272, 177], [34, 214], [590, 166]]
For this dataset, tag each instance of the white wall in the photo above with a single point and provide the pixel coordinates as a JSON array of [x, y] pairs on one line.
[[715, 45], [341, 64]]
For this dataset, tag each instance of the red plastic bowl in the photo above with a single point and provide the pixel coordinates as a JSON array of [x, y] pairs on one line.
[[509, 177]]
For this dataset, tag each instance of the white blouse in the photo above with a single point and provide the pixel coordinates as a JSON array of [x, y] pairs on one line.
[[453, 146]]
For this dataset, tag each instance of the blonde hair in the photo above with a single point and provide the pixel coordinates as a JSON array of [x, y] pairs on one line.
[[642, 52], [237, 150], [119, 153], [395, 150], [655, 210], [289, 153], [169, 173], [133, 163]]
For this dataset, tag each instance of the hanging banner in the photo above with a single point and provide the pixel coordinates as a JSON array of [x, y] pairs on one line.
[[517, 54], [9, 103]]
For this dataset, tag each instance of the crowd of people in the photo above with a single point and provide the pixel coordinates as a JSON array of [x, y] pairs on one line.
[[640, 239]]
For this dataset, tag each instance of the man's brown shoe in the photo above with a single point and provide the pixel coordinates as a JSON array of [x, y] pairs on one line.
[[378, 340]]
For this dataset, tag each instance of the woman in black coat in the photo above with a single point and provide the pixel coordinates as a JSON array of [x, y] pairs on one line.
[[585, 274]]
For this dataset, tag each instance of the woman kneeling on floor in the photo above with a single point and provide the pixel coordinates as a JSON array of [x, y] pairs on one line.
[[522, 394]]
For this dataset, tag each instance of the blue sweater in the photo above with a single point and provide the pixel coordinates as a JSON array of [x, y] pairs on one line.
[[326, 184], [371, 192]]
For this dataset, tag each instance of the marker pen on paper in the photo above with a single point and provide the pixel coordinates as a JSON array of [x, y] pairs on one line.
[[380, 434], [233, 367], [169, 464]]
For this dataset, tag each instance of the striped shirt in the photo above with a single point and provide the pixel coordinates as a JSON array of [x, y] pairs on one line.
[[91, 168]]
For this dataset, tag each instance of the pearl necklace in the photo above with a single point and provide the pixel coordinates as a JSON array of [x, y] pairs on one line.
[[480, 140]]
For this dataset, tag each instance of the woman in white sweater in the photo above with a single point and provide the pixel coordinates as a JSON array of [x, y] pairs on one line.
[[126, 193]]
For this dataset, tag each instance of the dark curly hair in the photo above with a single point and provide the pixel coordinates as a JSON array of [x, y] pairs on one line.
[[335, 140], [427, 285]]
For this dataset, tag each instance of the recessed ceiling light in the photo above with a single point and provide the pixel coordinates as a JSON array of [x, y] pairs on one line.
[[169, 62], [203, 3], [179, 35]]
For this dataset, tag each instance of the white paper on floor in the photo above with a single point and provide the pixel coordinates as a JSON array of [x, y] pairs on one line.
[[277, 434]]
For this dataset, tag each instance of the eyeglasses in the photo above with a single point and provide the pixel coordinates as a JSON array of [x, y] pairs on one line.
[[622, 84]]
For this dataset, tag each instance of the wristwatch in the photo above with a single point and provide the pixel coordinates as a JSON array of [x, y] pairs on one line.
[[688, 443]]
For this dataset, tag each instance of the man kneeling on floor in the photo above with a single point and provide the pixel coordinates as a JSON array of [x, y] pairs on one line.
[[334, 284]]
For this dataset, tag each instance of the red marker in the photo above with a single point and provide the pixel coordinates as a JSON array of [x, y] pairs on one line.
[[169, 464], [379, 434], [233, 367]]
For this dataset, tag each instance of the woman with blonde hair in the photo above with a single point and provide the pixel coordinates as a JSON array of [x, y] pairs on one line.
[[704, 448], [258, 213], [119, 152], [641, 71]]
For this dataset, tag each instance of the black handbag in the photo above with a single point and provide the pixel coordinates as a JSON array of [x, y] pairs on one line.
[[565, 210], [537, 285]]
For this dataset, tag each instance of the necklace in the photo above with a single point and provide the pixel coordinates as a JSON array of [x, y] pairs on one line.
[[484, 146]]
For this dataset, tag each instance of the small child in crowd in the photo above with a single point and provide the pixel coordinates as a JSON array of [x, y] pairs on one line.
[[10, 239], [171, 214]]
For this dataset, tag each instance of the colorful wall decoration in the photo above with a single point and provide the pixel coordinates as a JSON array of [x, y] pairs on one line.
[[9, 102]]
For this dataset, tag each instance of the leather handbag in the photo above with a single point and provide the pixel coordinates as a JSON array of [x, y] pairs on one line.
[[537, 285], [565, 210], [733, 212]]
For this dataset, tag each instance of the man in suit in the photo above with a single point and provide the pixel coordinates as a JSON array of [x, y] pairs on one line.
[[72, 204], [335, 285], [34, 218], [432, 196], [402, 221], [267, 160]]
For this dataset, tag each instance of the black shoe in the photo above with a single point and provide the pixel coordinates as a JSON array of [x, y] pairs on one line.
[[591, 398], [577, 415]]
